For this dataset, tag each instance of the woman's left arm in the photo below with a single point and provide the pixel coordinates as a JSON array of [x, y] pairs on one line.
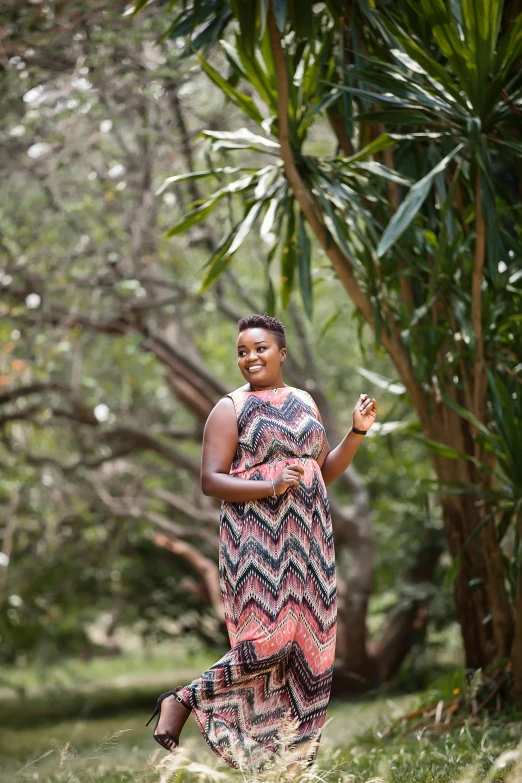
[[334, 462]]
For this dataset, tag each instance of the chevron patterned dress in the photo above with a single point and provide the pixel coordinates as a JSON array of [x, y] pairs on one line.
[[278, 582]]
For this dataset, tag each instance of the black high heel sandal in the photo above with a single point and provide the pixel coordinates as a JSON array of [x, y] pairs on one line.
[[161, 737]]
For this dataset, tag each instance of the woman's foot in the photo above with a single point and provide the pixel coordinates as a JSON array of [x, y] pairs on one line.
[[172, 719]]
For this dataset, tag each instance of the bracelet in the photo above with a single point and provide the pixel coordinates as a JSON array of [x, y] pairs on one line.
[[273, 487], [359, 432]]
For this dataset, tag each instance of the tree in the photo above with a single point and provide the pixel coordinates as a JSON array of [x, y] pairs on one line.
[[425, 241]]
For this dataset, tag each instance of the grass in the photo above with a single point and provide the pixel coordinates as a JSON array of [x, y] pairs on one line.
[[82, 722]]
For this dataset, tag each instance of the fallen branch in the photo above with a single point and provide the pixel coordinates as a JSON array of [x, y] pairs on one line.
[[446, 715]]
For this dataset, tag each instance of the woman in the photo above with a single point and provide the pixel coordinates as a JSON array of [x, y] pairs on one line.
[[266, 457]]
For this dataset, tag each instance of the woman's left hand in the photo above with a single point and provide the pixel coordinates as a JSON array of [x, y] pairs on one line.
[[364, 412]]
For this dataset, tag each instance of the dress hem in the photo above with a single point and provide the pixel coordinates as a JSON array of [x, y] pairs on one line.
[[213, 746]]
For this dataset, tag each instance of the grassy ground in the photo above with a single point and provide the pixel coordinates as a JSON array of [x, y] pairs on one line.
[[82, 722]]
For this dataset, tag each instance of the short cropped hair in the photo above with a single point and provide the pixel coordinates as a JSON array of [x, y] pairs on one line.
[[265, 321]]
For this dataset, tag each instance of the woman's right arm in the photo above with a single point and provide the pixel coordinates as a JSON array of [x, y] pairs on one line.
[[219, 449]]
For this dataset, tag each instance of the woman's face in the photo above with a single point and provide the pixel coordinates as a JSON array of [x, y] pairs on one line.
[[259, 357]]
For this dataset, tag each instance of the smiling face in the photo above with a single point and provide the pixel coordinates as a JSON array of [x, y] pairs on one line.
[[260, 358]]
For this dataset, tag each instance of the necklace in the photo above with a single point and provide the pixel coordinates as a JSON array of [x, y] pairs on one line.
[[274, 390]]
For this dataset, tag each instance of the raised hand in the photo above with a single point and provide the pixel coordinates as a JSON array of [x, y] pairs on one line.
[[364, 413]]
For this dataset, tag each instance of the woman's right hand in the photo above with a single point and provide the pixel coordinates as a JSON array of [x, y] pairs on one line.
[[290, 476]]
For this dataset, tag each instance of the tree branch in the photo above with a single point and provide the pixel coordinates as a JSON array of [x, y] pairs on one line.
[[205, 567], [187, 508], [129, 508], [18, 392]]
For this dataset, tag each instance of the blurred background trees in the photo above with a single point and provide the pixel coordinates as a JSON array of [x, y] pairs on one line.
[[118, 332]]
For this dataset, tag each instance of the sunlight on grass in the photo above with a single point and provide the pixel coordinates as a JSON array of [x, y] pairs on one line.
[[490, 755]]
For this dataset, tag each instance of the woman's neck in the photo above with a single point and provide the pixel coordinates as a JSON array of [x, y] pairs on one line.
[[278, 385]]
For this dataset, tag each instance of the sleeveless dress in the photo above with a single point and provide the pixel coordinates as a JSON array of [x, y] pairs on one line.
[[278, 583]]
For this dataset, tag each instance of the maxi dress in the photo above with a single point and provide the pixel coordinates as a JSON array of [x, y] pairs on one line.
[[278, 583]]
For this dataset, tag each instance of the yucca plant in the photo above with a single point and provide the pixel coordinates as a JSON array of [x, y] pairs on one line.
[[418, 212]]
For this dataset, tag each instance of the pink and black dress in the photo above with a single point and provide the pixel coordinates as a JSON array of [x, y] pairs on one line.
[[278, 582]]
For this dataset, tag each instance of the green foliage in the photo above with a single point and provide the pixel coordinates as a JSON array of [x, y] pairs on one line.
[[412, 204], [40, 617]]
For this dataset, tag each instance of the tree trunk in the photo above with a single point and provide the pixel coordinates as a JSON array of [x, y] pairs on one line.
[[482, 604], [471, 594], [405, 624], [355, 670], [516, 652]]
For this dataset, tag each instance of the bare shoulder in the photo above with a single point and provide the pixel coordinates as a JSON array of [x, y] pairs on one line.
[[222, 420], [224, 408]]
